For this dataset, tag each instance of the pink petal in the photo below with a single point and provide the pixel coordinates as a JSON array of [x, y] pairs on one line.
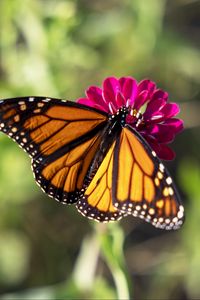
[[90, 103], [154, 109], [148, 85], [130, 120], [141, 99], [110, 89], [94, 94], [160, 94], [86, 102], [162, 150], [100, 107], [170, 110], [120, 100], [175, 124], [122, 81], [162, 133], [128, 88], [165, 152], [149, 138]]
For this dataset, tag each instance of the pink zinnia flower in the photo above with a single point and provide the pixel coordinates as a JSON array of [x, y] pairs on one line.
[[151, 114]]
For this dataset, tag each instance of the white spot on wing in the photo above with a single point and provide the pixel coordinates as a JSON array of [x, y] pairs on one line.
[[161, 167], [168, 180], [154, 153]]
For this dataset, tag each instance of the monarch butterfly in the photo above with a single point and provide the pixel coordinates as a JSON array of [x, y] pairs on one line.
[[93, 159]]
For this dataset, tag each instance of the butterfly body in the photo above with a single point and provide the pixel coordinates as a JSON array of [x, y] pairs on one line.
[[94, 159]]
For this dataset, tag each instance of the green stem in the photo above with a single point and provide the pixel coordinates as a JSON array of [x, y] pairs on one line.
[[87, 260], [111, 238]]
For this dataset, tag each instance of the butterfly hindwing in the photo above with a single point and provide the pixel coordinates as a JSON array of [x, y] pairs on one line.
[[63, 178], [97, 200], [141, 185], [60, 136]]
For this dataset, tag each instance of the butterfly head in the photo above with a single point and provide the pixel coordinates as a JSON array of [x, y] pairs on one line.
[[119, 117], [126, 115]]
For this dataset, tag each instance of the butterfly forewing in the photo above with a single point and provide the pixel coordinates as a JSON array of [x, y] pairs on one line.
[[141, 184], [60, 136]]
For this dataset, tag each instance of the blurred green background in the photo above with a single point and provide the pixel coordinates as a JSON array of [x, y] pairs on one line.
[[57, 49]]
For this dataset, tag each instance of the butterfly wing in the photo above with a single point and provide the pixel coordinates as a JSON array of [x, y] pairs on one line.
[[97, 200], [63, 138], [60, 136], [141, 184]]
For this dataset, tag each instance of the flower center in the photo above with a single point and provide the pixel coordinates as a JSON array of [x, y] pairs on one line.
[[138, 116], [134, 117]]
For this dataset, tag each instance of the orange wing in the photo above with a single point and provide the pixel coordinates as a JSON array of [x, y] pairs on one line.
[[141, 185], [60, 136], [97, 200]]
